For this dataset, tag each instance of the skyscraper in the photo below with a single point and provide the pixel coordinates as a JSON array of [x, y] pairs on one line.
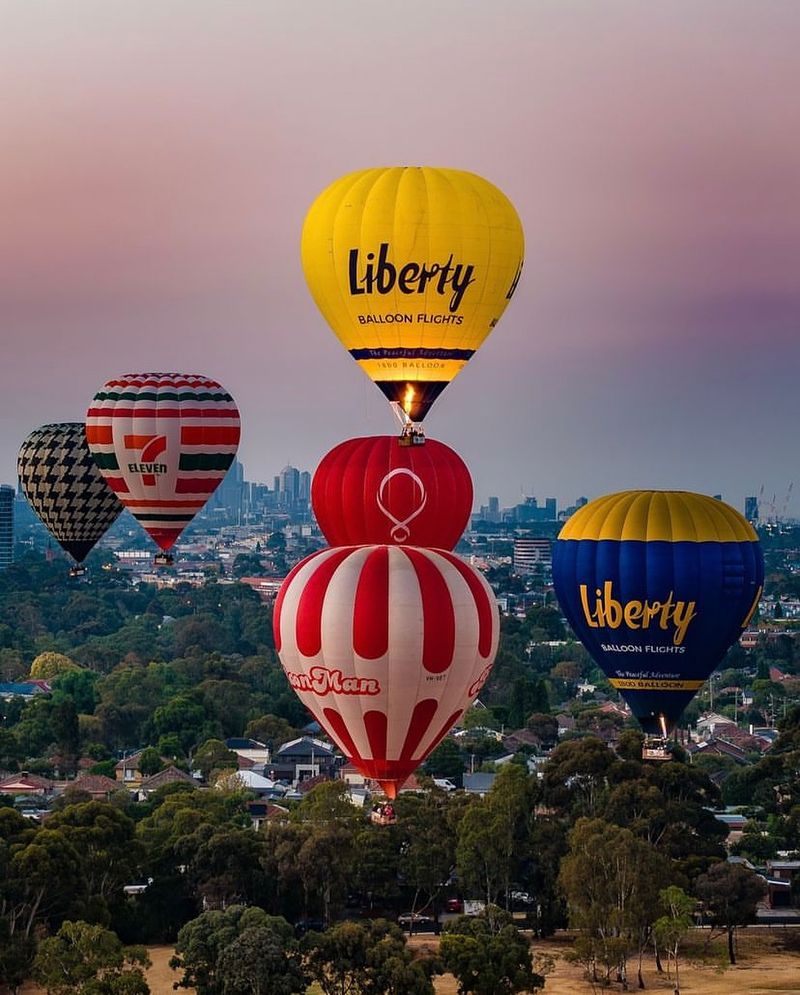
[[6, 526], [751, 509]]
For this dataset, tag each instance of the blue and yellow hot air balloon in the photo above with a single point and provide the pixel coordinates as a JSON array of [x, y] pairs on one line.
[[412, 267], [657, 585]]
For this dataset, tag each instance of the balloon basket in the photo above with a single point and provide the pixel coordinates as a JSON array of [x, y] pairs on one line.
[[383, 815], [163, 560], [656, 749], [411, 433], [77, 571]]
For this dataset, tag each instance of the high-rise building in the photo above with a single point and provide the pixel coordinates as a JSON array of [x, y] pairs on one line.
[[494, 509], [530, 553], [7, 495], [751, 508], [290, 486], [305, 486]]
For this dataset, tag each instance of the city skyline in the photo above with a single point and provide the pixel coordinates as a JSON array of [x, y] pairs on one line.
[[164, 158]]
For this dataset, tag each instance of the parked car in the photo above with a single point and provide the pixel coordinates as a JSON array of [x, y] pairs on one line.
[[417, 922], [521, 898], [304, 926]]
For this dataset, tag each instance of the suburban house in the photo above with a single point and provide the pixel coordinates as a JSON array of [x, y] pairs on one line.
[[478, 784], [27, 784], [302, 758], [249, 749], [127, 770], [98, 786], [23, 689], [170, 775], [781, 875]]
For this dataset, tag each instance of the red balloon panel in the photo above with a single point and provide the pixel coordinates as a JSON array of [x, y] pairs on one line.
[[374, 490]]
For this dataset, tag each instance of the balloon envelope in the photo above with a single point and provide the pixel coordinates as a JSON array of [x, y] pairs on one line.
[[65, 488], [412, 267], [375, 490], [657, 585], [387, 646], [163, 442]]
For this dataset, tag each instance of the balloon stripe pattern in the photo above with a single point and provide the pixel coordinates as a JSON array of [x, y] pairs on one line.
[[387, 646], [164, 442], [657, 585], [412, 267], [373, 490], [65, 488]]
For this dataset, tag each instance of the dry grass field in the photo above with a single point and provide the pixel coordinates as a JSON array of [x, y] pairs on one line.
[[769, 961]]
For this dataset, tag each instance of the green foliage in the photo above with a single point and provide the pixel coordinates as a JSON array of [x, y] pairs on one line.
[[487, 955], [49, 665], [224, 952], [366, 959], [730, 893], [82, 959]]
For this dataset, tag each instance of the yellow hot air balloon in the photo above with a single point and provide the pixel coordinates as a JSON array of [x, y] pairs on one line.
[[412, 267]]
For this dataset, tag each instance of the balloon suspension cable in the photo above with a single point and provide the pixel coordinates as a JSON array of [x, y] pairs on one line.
[[411, 433]]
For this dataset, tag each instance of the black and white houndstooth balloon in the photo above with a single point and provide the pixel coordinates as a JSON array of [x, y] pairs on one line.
[[65, 488]]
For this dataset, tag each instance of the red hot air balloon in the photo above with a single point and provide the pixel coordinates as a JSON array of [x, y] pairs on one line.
[[386, 646], [375, 490], [164, 442]]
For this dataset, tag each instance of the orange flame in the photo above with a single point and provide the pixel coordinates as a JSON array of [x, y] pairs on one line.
[[408, 399]]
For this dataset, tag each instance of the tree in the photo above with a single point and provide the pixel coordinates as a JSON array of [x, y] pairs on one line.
[[82, 959], [488, 956], [494, 836], [544, 726], [366, 959], [730, 893], [48, 665], [262, 960], [150, 762], [214, 755], [270, 729], [671, 929], [202, 944], [103, 838], [611, 880], [447, 760]]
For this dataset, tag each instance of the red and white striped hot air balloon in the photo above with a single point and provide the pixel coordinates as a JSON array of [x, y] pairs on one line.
[[386, 646], [163, 442]]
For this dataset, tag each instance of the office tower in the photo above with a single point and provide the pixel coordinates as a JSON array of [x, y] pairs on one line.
[[530, 553], [751, 508], [7, 496]]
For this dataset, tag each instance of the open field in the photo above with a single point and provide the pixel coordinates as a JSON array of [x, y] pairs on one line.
[[769, 961]]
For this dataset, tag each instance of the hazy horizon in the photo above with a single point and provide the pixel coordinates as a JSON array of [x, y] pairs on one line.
[[161, 158]]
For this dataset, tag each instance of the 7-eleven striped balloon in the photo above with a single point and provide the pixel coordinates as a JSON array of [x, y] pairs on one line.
[[163, 442], [386, 646]]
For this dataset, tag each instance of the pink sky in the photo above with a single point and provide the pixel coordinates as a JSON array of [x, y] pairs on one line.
[[159, 158]]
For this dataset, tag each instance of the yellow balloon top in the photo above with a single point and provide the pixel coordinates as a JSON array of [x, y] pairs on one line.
[[412, 267], [670, 516]]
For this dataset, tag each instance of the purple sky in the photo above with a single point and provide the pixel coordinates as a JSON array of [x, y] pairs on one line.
[[159, 158]]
